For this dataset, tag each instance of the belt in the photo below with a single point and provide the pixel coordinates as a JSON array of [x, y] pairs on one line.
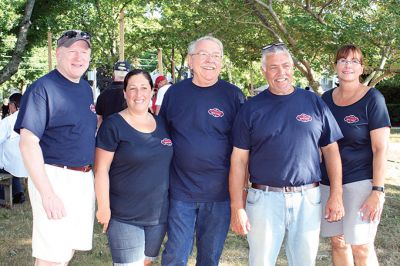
[[85, 168], [284, 189]]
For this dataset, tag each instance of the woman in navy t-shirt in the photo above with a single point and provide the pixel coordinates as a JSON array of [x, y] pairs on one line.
[[362, 115], [133, 156]]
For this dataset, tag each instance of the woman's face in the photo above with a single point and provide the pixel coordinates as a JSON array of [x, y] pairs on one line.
[[349, 68], [138, 93]]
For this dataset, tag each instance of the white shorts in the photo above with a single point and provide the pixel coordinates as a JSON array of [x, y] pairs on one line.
[[55, 240], [355, 230]]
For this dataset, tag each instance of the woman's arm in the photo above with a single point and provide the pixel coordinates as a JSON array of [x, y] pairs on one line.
[[373, 206], [102, 186]]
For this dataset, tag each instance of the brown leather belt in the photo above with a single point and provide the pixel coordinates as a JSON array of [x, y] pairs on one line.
[[284, 189], [85, 168]]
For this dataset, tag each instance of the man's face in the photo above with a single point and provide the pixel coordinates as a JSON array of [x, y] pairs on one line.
[[206, 62], [278, 72], [73, 61]]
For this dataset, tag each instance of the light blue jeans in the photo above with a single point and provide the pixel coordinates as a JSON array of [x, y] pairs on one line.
[[272, 215]]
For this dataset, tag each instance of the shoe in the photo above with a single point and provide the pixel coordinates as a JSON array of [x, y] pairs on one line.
[[19, 198]]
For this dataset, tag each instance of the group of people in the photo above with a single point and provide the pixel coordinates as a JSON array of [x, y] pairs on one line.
[[286, 162]]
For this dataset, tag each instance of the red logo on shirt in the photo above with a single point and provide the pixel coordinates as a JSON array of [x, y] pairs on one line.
[[92, 108], [215, 112], [351, 119], [304, 118], [166, 142]]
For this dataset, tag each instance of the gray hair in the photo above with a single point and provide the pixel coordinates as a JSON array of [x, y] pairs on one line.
[[273, 49], [192, 45]]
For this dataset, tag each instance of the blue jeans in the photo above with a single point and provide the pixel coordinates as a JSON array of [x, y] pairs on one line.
[[209, 221], [130, 243], [272, 214]]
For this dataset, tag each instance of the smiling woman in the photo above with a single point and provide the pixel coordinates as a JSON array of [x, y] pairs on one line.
[[133, 153], [364, 121]]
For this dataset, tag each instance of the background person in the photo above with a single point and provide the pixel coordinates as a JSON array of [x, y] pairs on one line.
[[133, 156], [200, 112], [10, 156], [111, 100], [162, 86], [57, 125], [363, 118]]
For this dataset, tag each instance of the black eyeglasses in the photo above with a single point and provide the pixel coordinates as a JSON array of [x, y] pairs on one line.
[[272, 45], [72, 34]]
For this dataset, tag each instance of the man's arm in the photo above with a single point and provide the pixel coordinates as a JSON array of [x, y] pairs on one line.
[[373, 206], [334, 210], [237, 187], [34, 163]]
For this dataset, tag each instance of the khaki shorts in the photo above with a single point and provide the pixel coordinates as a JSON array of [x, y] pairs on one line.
[[55, 240], [355, 231]]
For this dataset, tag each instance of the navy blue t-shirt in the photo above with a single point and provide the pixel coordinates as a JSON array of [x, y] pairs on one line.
[[356, 121], [200, 121], [283, 134], [62, 115], [139, 172]]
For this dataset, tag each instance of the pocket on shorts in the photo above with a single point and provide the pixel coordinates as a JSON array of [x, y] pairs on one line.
[[313, 196], [253, 196]]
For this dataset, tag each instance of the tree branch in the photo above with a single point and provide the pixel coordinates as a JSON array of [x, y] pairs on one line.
[[318, 16], [12, 67]]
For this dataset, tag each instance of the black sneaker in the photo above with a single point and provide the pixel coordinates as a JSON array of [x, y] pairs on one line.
[[19, 198]]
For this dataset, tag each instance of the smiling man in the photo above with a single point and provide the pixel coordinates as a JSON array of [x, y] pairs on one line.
[[200, 113], [277, 136], [57, 124]]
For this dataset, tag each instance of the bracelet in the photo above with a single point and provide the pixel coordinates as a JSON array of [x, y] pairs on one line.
[[377, 188]]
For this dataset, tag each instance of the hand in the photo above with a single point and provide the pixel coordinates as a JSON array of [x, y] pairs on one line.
[[334, 210], [239, 221], [372, 208], [103, 216], [53, 206]]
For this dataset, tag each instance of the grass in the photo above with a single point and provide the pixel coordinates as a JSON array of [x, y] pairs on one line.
[[15, 239]]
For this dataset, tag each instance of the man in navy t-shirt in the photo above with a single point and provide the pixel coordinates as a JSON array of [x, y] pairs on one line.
[[277, 136], [57, 124], [200, 114]]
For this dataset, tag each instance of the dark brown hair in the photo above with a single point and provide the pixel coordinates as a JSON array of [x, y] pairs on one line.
[[347, 49], [137, 72]]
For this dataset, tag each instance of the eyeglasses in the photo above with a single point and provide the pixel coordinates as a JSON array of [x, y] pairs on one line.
[[343, 62], [72, 34], [272, 45], [204, 56]]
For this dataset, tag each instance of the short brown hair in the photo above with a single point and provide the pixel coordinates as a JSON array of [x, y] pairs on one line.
[[347, 49]]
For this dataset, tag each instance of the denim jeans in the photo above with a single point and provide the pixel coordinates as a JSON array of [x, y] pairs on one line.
[[209, 221], [272, 214], [130, 243]]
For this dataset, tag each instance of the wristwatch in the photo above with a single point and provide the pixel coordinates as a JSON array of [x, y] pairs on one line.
[[377, 188]]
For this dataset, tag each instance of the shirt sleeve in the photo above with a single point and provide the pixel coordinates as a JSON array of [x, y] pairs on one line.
[[378, 115], [241, 131], [330, 129], [160, 95], [33, 114], [107, 136]]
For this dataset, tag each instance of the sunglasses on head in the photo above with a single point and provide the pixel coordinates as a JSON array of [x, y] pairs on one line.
[[272, 45], [72, 34]]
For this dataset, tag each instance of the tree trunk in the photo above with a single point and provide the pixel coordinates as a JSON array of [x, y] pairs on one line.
[[12, 67]]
